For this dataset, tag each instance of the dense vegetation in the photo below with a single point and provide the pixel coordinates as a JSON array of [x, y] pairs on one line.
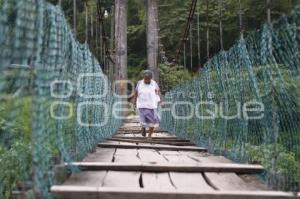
[[172, 20]]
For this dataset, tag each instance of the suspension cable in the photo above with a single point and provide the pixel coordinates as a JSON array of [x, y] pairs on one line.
[[186, 31], [86, 21], [191, 42], [184, 55]]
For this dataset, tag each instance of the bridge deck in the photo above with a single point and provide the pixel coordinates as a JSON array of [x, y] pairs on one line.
[[130, 166]]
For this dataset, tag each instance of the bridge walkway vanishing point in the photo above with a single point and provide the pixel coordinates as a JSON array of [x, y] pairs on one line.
[[130, 166]]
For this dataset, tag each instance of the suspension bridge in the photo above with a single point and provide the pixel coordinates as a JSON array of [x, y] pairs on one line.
[[231, 132]]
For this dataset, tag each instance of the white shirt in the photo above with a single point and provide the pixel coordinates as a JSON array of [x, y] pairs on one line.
[[148, 96]]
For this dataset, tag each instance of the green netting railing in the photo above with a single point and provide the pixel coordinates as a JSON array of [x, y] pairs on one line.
[[245, 103], [55, 102]]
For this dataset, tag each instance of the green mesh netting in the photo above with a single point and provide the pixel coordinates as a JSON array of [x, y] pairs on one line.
[[256, 84], [55, 102]]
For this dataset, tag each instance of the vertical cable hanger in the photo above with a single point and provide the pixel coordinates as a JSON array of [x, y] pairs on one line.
[[97, 45], [92, 26], [241, 19], [184, 55], [186, 30], [86, 21], [207, 32], [198, 34], [191, 42], [269, 11], [221, 24], [74, 16]]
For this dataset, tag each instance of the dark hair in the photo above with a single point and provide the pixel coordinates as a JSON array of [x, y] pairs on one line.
[[148, 73]]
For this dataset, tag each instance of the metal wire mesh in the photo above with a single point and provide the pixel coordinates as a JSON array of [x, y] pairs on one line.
[[56, 104], [245, 103]]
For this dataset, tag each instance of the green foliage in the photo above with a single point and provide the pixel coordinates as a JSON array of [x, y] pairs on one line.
[[172, 76], [15, 119], [137, 48], [15, 167], [174, 13], [285, 164], [15, 142]]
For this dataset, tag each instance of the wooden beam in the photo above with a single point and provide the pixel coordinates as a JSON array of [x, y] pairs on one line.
[[131, 121], [77, 192], [136, 131], [167, 167], [172, 148], [133, 140]]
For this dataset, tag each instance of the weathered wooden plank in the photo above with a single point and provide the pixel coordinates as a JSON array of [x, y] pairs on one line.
[[131, 125], [212, 159], [128, 146], [131, 121], [74, 192], [117, 142], [122, 179], [253, 182], [101, 155], [190, 181], [165, 167], [176, 157], [150, 156], [86, 179], [137, 131], [150, 141], [157, 181], [129, 136], [226, 181], [126, 155]]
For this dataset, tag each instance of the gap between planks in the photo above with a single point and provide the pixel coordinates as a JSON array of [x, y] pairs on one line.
[[133, 140]]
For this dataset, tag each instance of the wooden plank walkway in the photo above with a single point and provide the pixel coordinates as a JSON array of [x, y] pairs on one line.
[[130, 166]]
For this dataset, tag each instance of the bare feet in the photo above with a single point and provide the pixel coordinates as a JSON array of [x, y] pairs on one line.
[[144, 132], [151, 130]]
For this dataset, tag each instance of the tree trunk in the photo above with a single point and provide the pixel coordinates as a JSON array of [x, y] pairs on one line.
[[121, 49], [152, 37]]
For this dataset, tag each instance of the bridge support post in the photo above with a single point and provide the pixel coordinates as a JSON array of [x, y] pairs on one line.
[[121, 49], [152, 37]]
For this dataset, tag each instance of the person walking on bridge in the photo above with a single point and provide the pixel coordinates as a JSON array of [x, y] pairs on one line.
[[147, 98]]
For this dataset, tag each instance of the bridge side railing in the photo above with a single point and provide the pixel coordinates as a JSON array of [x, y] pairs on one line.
[[245, 103], [56, 103]]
